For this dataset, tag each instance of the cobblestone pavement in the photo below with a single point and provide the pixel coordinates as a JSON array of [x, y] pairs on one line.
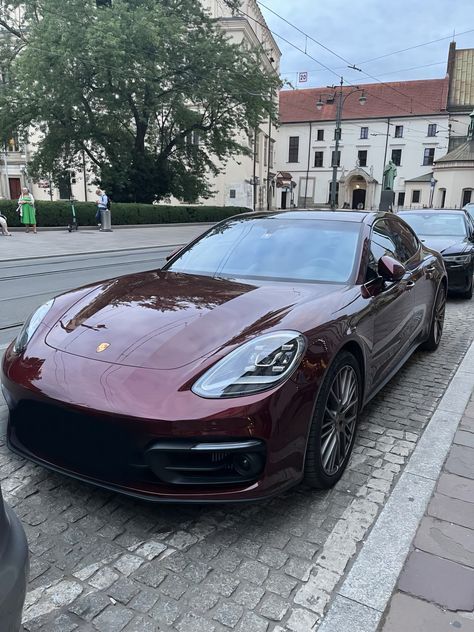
[[103, 562]]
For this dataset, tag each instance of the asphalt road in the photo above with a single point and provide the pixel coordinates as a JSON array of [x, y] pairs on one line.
[[26, 284]]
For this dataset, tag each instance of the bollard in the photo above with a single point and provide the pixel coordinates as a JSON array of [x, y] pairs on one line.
[[106, 218]]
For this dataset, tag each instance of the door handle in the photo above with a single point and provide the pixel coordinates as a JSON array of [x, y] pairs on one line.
[[410, 284], [431, 269]]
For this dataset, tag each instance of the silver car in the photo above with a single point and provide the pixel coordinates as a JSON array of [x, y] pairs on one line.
[[14, 567]]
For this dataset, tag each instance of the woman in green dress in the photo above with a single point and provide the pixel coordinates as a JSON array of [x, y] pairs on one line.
[[28, 211]]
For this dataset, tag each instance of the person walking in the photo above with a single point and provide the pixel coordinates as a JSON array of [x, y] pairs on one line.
[[4, 226], [102, 204], [27, 210]]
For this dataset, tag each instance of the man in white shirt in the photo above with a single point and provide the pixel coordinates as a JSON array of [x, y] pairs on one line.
[[102, 204]]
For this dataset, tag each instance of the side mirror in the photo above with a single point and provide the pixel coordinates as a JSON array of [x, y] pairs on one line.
[[175, 252], [390, 269]]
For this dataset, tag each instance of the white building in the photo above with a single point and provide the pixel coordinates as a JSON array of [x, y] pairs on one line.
[[406, 122], [245, 181]]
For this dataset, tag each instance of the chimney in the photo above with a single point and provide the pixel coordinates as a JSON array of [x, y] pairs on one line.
[[450, 69]]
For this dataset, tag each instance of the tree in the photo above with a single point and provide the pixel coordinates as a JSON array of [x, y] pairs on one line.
[[131, 84]]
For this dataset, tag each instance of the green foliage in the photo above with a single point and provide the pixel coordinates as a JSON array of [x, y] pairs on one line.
[[59, 213], [128, 85]]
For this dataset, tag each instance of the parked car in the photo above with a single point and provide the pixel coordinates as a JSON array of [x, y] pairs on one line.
[[14, 567], [236, 370], [451, 232]]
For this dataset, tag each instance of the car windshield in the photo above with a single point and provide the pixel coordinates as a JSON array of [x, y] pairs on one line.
[[274, 248], [436, 224]]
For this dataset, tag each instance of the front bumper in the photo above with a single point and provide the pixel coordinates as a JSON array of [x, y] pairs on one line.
[[459, 276], [122, 430], [14, 567]]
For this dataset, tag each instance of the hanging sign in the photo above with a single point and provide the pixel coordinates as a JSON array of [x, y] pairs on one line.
[[302, 77]]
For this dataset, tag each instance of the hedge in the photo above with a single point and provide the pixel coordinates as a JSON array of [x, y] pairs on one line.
[[59, 213]]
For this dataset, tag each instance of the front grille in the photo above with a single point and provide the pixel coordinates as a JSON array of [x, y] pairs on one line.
[[121, 452]]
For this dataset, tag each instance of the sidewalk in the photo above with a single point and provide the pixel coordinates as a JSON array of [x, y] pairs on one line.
[[52, 243], [435, 591]]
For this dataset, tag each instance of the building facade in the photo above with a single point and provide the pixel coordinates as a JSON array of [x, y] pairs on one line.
[[405, 122]]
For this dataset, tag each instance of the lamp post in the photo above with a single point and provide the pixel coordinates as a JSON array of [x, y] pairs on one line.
[[341, 99]]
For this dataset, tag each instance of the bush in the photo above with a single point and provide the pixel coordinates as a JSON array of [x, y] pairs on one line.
[[59, 213]]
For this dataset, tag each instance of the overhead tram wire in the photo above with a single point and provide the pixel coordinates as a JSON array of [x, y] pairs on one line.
[[392, 72], [338, 56]]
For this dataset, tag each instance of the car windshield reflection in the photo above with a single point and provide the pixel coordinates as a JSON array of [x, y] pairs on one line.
[[436, 224], [273, 248]]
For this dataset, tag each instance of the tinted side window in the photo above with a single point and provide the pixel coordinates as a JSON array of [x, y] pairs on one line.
[[381, 243], [406, 243]]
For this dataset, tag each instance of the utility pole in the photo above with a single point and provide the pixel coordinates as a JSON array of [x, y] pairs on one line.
[[336, 152]]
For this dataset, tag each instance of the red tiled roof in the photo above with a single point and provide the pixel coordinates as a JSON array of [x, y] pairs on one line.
[[401, 98]]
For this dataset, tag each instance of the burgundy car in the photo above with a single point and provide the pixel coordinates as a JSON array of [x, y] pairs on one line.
[[238, 369]]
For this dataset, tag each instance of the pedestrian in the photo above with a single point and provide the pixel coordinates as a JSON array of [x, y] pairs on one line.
[[26, 204], [4, 226], [102, 205]]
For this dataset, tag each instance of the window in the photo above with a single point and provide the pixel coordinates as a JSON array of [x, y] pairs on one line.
[[362, 158], [415, 196], [232, 194], [318, 158], [337, 134], [392, 238], [466, 197], [336, 159], [428, 157], [397, 156], [432, 131], [294, 146], [406, 243], [443, 197], [13, 144], [398, 131], [320, 134], [265, 151], [401, 198], [364, 132]]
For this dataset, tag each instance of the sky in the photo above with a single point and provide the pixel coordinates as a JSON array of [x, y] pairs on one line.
[[360, 30]]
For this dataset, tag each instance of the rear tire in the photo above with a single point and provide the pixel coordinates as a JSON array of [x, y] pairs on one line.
[[333, 427], [437, 321], [468, 293]]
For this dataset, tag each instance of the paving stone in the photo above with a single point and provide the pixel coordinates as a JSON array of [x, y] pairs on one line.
[[452, 510], [464, 438], [273, 607], [113, 619], [174, 586], [228, 613], [300, 569], [456, 487], [253, 571], [104, 578], [461, 461], [144, 600], [165, 611], [142, 624], [193, 623], [248, 595], [272, 557], [413, 615], [280, 584], [127, 564], [123, 590], [433, 578], [447, 540], [89, 606], [301, 620], [252, 623]]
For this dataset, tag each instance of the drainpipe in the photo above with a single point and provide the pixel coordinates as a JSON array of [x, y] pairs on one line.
[[255, 137], [309, 159]]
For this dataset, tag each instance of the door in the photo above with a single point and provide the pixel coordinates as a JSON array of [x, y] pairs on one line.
[[391, 309], [283, 199], [15, 188], [358, 197]]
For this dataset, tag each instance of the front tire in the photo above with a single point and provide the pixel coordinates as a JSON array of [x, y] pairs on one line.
[[437, 321], [333, 427]]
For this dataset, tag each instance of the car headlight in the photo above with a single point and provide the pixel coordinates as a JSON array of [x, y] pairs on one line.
[[30, 326], [458, 258], [255, 366]]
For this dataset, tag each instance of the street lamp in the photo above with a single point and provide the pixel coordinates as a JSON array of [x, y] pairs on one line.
[[339, 107]]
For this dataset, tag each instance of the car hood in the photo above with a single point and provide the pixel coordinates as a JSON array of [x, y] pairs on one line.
[[444, 245], [164, 320]]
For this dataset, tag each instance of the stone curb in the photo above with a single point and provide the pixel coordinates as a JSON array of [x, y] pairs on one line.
[[365, 593]]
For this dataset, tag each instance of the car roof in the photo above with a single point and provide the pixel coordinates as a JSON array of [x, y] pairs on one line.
[[431, 210], [320, 214]]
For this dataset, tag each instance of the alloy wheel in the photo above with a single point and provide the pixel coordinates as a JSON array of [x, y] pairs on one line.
[[339, 421]]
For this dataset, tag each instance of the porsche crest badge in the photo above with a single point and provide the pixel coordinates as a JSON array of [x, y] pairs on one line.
[[102, 347]]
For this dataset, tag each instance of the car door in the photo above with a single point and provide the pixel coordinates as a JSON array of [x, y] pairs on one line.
[[421, 266], [391, 308]]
